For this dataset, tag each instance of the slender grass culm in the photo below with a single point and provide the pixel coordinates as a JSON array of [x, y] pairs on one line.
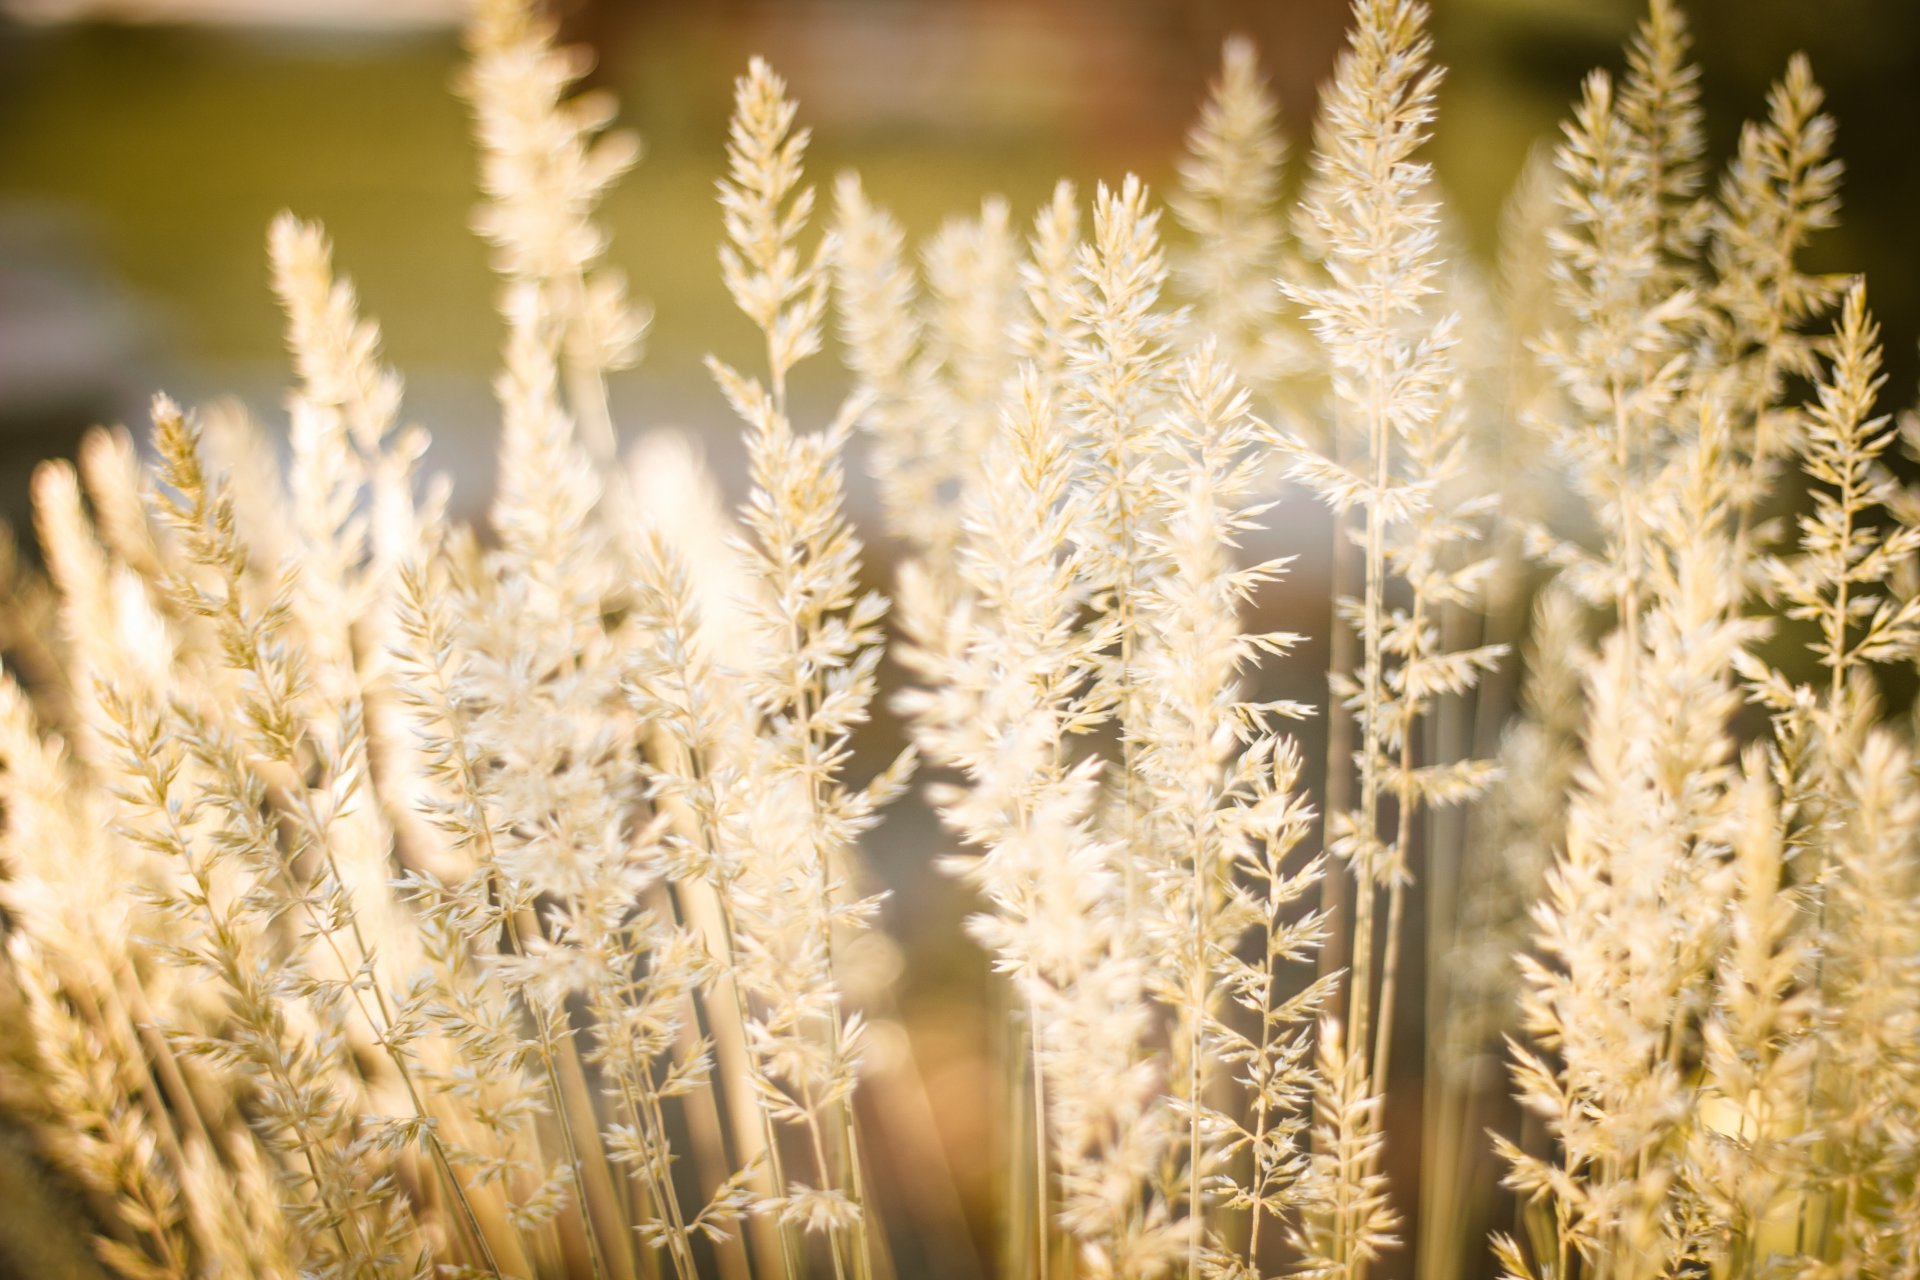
[[385, 896]]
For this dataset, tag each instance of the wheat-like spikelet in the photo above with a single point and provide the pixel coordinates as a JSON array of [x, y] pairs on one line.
[[931, 361], [816, 647], [547, 160], [1378, 238], [340, 1216], [1001, 703], [1659, 104], [1757, 1051], [1117, 401], [465, 907], [1373, 226], [294, 723], [876, 300], [1626, 305], [1866, 1095], [971, 269], [101, 1131], [1272, 820], [1845, 559], [1778, 191], [1193, 651], [94, 1093], [1349, 1221], [1634, 908], [1228, 202]]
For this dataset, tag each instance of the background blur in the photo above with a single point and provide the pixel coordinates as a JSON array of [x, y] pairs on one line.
[[145, 144]]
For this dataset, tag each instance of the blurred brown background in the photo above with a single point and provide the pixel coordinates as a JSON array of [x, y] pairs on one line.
[[144, 144]]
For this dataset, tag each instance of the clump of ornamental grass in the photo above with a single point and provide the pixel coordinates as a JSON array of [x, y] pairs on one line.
[[386, 896]]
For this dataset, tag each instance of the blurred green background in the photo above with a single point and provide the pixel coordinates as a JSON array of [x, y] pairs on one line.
[[145, 144], [141, 159]]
